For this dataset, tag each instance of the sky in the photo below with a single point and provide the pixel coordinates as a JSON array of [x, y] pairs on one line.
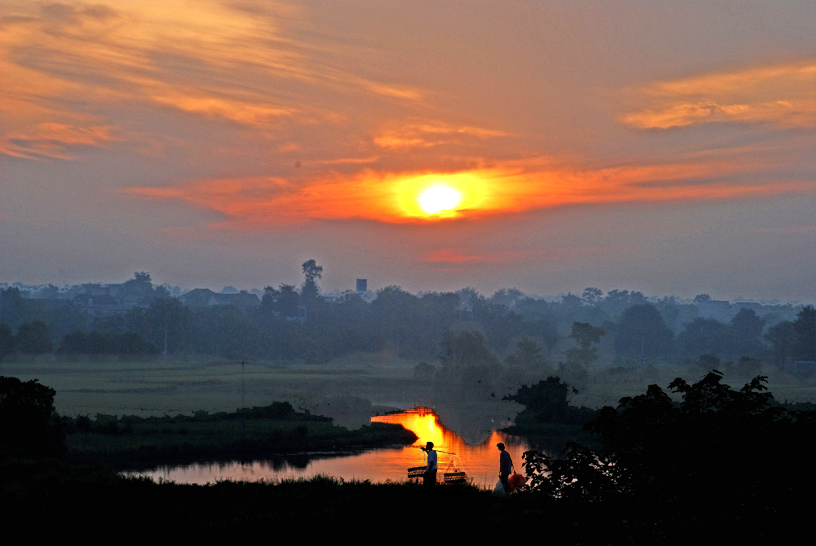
[[660, 146]]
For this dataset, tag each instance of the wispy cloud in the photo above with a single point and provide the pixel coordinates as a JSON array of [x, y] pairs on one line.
[[429, 134], [54, 140], [783, 95], [76, 63]]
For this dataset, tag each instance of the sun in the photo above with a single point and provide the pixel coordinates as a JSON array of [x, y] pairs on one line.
[[437, 199]]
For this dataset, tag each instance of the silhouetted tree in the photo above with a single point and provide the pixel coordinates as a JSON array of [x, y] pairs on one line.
[[499, 324], [586, 337], [165, 319], [782, 337], [29, 424], [282, 302], [704, 336], [641, 328], [617, 301], [33, 338], [746, 334], [575, 369], [138, 289], [13, 308], [527, 355], [225, 330], [6, 340], [545, 401], [592, 296], [805, 328], [312, 273], [700, 450]]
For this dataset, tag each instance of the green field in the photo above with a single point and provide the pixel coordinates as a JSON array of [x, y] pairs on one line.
[[184, 386]]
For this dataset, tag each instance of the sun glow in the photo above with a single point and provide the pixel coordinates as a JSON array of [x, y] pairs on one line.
[[440, 196], [438, 199]]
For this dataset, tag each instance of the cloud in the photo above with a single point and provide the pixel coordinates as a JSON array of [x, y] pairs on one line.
[[429, 134], [505, 188], [782, 95], [246, 111], [54, 140], [219, 62]]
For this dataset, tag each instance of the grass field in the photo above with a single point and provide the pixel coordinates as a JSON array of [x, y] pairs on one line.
[[182, 387]]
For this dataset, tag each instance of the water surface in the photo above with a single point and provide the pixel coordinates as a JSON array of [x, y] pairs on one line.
[[479, 462]]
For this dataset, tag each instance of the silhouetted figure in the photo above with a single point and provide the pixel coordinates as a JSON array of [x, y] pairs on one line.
[[430, 470], [505, 466]]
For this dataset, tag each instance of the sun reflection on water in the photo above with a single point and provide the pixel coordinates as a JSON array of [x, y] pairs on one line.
[[480, 462]]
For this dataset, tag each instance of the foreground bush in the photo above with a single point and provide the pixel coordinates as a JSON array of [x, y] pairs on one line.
[[29, 426], [716, 445]]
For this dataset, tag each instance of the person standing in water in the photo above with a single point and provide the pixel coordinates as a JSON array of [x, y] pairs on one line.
[[430, 470], [505, 466]]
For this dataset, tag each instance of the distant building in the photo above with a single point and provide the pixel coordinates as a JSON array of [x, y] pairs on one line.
[[715, 309], [204, 297], [99, 289], [754, 306], [102, 304], [362, 285]]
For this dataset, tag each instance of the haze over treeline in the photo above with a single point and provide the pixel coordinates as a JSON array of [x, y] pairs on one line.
[[620, 328]]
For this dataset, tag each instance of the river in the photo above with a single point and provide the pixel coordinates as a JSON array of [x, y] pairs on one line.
[[479, 462]]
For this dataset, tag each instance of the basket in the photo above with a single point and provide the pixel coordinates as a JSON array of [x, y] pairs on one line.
[[454, 477], [416, 472]]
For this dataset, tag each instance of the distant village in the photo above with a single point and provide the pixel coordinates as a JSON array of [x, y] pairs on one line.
[[570, 332], [101, 299]]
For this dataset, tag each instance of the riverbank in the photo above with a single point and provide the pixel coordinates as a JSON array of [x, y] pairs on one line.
[[133, 443]]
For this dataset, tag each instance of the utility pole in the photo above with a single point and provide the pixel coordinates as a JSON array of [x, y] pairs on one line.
[[642, 356], [243, 411]]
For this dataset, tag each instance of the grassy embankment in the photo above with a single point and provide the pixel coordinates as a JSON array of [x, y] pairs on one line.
[[257, 433]]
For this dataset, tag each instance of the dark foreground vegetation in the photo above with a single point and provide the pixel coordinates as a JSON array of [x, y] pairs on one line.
[[709, 462], [734, 463], [95, 501]]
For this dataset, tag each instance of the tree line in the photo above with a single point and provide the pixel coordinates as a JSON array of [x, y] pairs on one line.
[[298, 323]]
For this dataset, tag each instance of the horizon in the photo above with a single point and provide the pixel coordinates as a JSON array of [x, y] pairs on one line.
[[183, 289]]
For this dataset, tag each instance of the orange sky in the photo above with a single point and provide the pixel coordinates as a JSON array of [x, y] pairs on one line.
[[662, 147]]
